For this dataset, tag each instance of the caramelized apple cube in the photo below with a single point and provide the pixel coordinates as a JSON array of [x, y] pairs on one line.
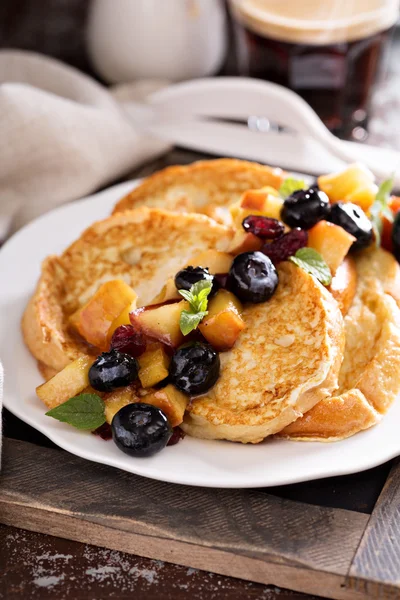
[[244, 242], [223, 324], [224, 300], [69, 382], [168, 292], [171, 401], [215, 261], [257, 202], [94, 319], [162, 322], [273, 206], [153, 365], [353, 184], [254, 199], [114, 401], [122, 319], [331, 241]]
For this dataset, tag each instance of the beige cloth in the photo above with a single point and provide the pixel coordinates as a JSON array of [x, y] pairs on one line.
[[62, 135]]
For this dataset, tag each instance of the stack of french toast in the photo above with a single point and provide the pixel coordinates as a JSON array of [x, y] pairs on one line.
[[244, 304]]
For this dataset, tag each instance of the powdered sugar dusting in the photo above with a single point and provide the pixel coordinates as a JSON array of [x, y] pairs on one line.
[[47, 574], [48, 581]]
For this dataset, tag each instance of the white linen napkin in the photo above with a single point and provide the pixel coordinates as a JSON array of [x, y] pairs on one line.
[[62, 135]]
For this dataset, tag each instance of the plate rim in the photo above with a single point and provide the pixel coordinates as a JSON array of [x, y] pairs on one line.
[[52, 431]]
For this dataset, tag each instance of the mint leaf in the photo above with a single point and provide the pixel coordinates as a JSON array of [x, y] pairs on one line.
[[85, 411], [189, 321], [197, 297], [186, 294], [380, 208], [312, 262], [291, 185]]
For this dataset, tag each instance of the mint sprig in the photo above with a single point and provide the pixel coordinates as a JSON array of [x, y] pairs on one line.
[[290, 185], [197, 297], [312, 262], [85, 411], [380, 208]]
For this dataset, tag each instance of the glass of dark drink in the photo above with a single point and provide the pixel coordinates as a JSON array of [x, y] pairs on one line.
[[328, 51]]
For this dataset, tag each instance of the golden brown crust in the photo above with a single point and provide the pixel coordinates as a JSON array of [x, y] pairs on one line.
[[369, 379], [279, 368], [334, 419], [143, 247], [204, 186]]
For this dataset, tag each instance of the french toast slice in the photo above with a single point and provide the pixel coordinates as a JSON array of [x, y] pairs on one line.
[[208, 186], [284, 362], [142, 247], [369, 379]]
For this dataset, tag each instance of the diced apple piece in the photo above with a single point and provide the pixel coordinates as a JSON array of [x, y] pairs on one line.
[[224, 300], [114, 401], [353, 184], [255, 199], [256, 202], [331, 241], [364, 197], [244, 242], [122, 319], [168, 292], [223, 324], [394, 204], [273, 206], [217, 262], [153, 365], [161, 323], [171, 401], [67, 383], [94, 319]]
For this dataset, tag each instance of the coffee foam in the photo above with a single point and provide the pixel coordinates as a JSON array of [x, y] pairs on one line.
[[316, 22]]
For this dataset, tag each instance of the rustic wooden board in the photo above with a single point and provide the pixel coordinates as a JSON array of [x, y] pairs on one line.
[[241, 533], [376, 565]]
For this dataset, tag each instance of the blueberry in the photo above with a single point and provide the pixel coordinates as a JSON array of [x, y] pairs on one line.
[[113, 370], [253, 277], [185, 278], [396, 236], [304, 208], [353, 220], [194, 368], [140, 429]]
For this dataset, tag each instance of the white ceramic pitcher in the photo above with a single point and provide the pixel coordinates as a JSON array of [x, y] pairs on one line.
[[166, 39]]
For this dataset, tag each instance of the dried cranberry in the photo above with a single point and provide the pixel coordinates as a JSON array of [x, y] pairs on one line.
[[263, 227], [104, 431], [128, 339], [286, 246], [176, 437]]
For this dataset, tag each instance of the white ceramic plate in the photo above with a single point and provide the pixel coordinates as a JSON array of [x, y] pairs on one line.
[[192, 462]]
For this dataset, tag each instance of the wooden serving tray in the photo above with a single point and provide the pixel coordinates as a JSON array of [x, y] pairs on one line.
[[252, 535]]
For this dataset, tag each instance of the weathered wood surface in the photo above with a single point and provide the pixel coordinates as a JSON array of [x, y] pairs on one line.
[[244, 534], [376, 565], [41, 567]]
